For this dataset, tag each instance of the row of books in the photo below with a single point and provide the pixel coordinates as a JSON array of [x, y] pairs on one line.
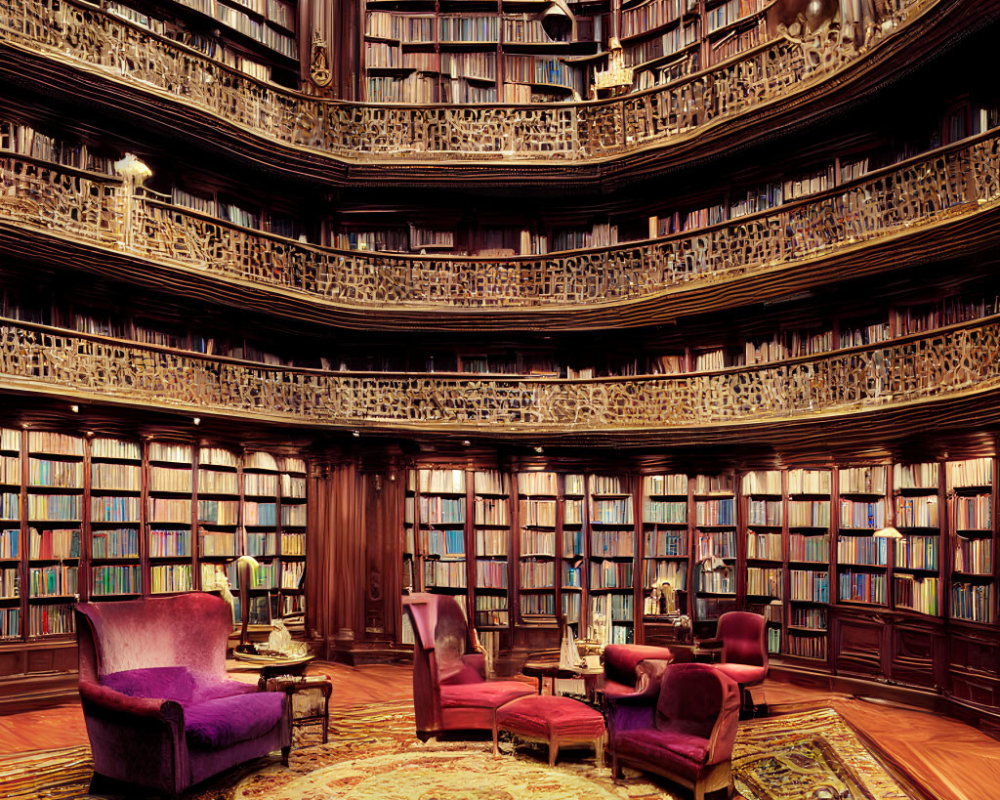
[[612, 544], [116, 579], [718, 544], [862, 514], [212, 481], [442, 510], [765, 512], [810, 585], [54, 507], [115, 477], [807, 617], [614, 512], [766, 546], [491, 511], [537, 574], [862, 587], [56, 580], [115, 509], [917, 594], [917, 552], [170, 479], [491, 543], [716, 512], [658, 543], [805, 646], [867, 550], [442, 543], [917, 512], [611, 575], [491, 574], [651, 15], [56, 474]]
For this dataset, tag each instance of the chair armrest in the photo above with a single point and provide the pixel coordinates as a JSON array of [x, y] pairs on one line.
[[110, 702], [708, 644], [631, 711]]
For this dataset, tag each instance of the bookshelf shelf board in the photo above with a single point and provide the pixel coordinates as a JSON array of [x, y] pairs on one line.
[[182, 557], [667, 496], [924, 530], [975, 531], [916, 570], [852, 565], [802, 629], [444, 587], [765, 560], [702, 593], [810, 602], [814, 659], [611, 496], [39, 489], [809, 563], [491, 526], [682, 557], [980, 575], [113, 492], [115, 559], [754, 526], [977, 488], [116, 594], [858, 531], [46, 597], [115, 523], [709, 495]]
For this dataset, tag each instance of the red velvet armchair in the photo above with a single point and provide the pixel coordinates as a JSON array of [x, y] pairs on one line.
[[631, 668], [683, 728], [159, 710], [450, 690], [744, 652]]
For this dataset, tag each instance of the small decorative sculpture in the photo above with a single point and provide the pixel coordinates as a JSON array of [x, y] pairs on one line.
[[279, 642], [651, 607], [569, 655]]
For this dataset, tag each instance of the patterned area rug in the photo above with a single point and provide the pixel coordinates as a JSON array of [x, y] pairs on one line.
[[373, 755]]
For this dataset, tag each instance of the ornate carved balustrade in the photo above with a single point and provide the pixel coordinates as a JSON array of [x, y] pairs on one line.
[[960, 180], [948, 363], [73, 31]]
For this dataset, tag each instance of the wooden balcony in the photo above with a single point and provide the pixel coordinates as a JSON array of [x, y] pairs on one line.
[[100, 60], [938, 205], [926, 383]]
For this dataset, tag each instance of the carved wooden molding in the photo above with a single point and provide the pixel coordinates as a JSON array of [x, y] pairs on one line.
[[957, 182], [950, 363], [572, 133]]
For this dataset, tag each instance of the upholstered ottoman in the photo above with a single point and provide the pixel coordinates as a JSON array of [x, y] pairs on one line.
[[558, 721]]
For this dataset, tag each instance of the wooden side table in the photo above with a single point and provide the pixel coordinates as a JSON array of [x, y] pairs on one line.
[[309, 696]]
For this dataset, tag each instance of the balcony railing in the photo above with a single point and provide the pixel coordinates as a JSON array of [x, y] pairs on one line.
[[85, 36], [955, 182], [945, 364]]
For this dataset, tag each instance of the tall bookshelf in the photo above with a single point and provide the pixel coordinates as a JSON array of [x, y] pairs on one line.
[[491, 531], [116, 541], [862, 557], [538, 496], [259, 477], [806, 620], [613, 557], [218, 510], [55, 494], [170, 517], [11, 539], [763, 502], [574, 578], [292, 535], [666, 551], [715, 556], [440, 539], [972, 500], [916, 569]]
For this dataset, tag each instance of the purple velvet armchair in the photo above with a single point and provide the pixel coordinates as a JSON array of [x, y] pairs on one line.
[[450, 690], [631, 668], [683, 728], [159, 710]]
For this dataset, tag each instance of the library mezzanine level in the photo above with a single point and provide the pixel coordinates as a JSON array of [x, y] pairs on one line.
[[539, 305]]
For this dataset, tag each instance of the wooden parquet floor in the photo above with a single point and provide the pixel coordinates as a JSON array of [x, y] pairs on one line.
[[946, 759]]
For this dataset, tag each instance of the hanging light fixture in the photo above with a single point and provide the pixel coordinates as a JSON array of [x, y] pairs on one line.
[[890, 531]]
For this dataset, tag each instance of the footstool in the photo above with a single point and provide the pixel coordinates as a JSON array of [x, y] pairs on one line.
[[558, 721]]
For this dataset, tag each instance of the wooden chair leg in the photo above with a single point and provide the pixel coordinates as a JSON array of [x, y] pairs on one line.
[[284, 755], [599, 752], [496, 734], [553, 752]]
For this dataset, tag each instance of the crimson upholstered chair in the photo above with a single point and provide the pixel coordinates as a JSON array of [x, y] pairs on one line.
[[744, 652], [450, 690], [159, 709], [631, 668], [683, 728]]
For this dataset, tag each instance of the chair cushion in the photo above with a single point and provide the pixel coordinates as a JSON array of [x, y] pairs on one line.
[[547, 715], [169, 683], [743, 674], [228, 720], [676, 752], [488, 694]]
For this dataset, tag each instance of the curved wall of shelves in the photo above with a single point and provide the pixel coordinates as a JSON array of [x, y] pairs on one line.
[[937, 205], [957, 363], [748, 93]]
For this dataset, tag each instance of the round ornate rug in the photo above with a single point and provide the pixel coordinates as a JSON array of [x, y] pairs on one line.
[[462, 775]]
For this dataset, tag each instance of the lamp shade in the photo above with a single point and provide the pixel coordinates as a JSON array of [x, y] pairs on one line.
[[888, 532]]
